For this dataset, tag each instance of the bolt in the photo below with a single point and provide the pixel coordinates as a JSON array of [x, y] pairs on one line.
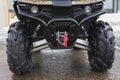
[[72, 34], [52, 35]]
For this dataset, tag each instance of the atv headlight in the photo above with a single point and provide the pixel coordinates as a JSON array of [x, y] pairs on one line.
[[88, 9], [34, 9]]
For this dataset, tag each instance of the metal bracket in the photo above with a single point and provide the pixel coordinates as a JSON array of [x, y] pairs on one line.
[[82, 44], [39, 45]]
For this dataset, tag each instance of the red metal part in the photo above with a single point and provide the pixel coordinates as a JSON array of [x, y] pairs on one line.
[[65, 40]]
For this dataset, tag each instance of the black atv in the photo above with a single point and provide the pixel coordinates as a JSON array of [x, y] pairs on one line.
[[61, 24]]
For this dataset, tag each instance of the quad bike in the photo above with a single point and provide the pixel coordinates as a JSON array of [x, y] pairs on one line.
[[61, 23]]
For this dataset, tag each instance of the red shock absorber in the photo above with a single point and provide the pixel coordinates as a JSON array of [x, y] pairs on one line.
[[65, 40]]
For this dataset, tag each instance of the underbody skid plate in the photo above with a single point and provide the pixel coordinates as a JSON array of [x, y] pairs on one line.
[[42, 44]]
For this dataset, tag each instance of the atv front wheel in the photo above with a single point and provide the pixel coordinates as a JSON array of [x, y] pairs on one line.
[[102, 45], [18, 48]]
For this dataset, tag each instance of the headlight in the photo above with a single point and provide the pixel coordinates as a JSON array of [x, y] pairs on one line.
[[34, 9], [88, 9]]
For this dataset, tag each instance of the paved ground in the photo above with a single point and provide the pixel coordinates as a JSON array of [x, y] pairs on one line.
[[61, 65]]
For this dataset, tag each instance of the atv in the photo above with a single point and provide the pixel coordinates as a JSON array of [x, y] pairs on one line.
[[61, 23]]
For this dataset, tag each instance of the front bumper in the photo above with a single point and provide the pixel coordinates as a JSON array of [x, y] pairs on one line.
[[78, 17], [61, 19], [74, 30]]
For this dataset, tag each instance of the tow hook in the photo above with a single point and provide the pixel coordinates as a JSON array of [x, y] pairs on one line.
[[65, 40]]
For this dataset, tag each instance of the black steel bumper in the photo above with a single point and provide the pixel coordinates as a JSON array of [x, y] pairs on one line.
[[78, 17], [75, 30], [62, 19]]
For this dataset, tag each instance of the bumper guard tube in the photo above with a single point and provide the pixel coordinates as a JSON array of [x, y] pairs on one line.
[[48, 35], [62, 19]]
